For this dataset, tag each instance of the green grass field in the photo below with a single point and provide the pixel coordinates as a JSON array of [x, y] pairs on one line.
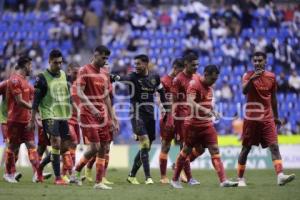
[[261, 186]]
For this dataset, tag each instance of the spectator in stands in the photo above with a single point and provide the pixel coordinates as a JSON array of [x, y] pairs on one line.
[[226, 92], [206, 46], [9, 49], [261, 44], [35, 50], [91, 23], [21, 47], [294, 82], [297, 131], [282, 83]]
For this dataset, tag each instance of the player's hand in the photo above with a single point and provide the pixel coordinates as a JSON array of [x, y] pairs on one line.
[[30, 125], [257, 74], [39, 121], [215, 114], [277, 122], [169, 122], [97, 114], [115, 126]]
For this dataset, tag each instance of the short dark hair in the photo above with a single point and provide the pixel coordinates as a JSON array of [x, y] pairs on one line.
[[73, 65], [210, 69], [260, 53], [22, 61], [102, 49], [142, 57], [178, 63], [55, 53], [190, 57]]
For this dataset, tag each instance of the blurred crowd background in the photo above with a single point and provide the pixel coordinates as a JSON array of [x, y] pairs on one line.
[[224, 32]]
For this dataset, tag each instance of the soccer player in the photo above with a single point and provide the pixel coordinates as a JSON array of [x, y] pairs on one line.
[[89, 165], [261, 117], [95, 112], [3, 121], [19, 97], [52, 99], [167, 133], [199, 127], [181, 109], [72, 70], [143, 85]]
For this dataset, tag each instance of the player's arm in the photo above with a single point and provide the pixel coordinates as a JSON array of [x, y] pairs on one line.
[[85, 100], [40, 91], [112, 113], [247, 81], [162, 96], [275, 105], [21, 102]]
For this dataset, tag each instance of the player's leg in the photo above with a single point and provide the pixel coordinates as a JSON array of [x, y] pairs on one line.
[[218, 165], [66, 159], [105, 180], [100, 166], [163, 160], [10, 167], [179, 165], [242, 159], [282, 179]]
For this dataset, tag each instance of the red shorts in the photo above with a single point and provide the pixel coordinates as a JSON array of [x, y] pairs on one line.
[[165, 134], [91, 130], [204, 136], [4, 132], [42, 138], [74, 133], [259, 132], [18, 134]]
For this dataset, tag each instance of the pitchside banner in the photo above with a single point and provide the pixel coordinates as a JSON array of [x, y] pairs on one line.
[[258, 158], [122, 157]]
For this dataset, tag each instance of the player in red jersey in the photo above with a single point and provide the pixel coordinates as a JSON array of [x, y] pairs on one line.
[[182, 110], [3, 121], [167, 133], [199, 127], [261, 117], [19, 97], [74, 130], [95, 111], [89, 165]]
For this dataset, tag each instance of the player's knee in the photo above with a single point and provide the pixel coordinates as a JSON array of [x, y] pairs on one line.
[[214, 150], [145, 144], [274, 148]]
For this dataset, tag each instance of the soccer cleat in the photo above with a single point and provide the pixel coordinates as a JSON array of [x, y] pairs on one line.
[[164, 180], [88, 174], [18, 176], [47, 175], [107, 182], [149, 181], [283, 179], [66, 179], [60, 181], [228, 183], [102, 186], [36, 178], [10, 178], [193, 181], [183, 177], [242, 182], [132, 180], [176, 184]]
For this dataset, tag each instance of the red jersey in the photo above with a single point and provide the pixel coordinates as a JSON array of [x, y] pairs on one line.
[[167, 84], [3, 88], [96, 87], [259, 106], [76, 101], [179, 89], [204, 97], [17, 84]]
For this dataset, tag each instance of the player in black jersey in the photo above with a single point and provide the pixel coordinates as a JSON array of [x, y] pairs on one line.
[[143, 85]]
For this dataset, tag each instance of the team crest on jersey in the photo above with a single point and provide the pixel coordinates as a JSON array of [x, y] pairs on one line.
[[153, 81]]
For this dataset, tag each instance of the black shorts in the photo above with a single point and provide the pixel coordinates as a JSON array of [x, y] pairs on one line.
[[144, 126], [57, 128]]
